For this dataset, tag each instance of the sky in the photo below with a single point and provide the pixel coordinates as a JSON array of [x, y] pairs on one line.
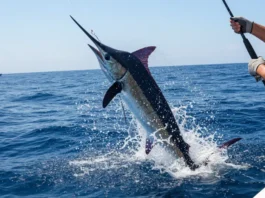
[[39, 35]]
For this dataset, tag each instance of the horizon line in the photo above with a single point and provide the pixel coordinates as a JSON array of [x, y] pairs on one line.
[[29, 72]]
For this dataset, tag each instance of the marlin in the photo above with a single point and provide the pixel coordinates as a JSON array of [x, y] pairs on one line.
[[131, 77]]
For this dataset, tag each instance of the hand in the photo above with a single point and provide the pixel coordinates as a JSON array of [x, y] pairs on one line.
[[253, 66], [240, 24]]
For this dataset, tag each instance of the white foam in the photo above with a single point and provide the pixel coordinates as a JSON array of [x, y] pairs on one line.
[[201, 148]]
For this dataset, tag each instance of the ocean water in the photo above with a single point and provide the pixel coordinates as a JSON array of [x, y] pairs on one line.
[[56, 140]]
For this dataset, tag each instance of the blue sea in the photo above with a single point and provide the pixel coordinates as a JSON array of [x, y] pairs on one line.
[[56, 140]]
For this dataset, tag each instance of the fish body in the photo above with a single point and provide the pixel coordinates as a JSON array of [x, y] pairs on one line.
[[132, 78]]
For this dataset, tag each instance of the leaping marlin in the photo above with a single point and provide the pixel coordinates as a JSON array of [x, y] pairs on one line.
[[130, 76]]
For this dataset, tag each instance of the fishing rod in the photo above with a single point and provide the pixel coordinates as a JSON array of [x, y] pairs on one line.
[[248, 45]]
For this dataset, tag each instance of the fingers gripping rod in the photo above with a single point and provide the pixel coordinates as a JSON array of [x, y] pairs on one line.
[[248, 45]]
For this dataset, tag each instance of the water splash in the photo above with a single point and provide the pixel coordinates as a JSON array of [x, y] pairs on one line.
[[131, 150]]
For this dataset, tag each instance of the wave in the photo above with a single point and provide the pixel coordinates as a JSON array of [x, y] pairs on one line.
[[36, 97]]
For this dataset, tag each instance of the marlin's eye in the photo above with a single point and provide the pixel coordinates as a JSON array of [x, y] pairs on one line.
[[107, 57]]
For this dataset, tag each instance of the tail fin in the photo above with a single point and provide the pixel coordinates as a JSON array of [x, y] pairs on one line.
[[229, 143], [223, 146]]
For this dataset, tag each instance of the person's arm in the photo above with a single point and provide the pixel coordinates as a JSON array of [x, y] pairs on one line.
[[240, 24], [256, 68], [261, 71], [258, 31]]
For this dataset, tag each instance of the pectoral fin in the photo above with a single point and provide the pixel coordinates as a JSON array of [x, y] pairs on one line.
[[111, 93]]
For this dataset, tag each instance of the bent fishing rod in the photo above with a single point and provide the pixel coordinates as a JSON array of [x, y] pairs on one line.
[[248, 45]]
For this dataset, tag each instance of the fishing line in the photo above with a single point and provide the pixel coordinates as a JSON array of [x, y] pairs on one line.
[[125, 119], [122, 105], [94, 34]]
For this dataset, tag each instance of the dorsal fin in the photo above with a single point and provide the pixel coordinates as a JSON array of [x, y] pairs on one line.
[[143, 55]]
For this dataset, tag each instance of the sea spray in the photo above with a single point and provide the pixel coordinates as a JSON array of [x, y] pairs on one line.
[[131, 150]]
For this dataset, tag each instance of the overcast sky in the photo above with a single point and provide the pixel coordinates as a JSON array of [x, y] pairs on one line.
[[38, 35]]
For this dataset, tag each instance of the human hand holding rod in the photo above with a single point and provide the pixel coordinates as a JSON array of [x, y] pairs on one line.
[[241, 25]]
